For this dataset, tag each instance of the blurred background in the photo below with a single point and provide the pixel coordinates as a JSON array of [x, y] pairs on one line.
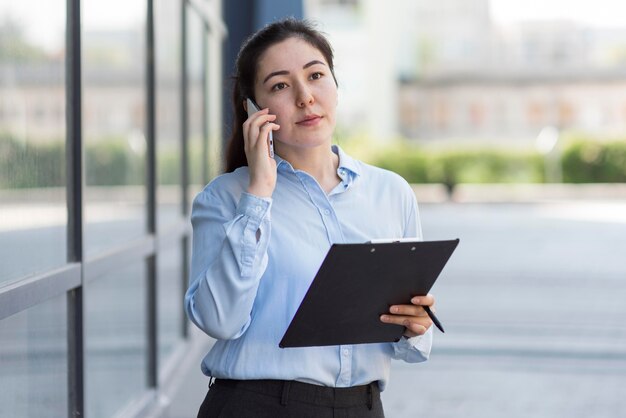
[[508, 118]]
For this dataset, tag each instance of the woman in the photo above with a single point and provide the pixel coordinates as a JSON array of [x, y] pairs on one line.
[[261, 230]]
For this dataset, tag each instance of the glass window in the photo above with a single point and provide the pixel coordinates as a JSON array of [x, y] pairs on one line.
[[33, 362], [33, 214], [168, 110], [115, 340], [170, 299], [114, 121], [196, 101]]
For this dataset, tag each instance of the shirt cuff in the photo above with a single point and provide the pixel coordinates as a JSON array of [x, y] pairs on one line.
[[413, 341], [419, 343], [254, 207]]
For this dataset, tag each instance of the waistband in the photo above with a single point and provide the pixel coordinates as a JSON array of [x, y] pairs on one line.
[[326, 396]]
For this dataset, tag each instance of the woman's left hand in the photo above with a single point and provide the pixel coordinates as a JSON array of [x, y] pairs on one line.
[[413, 317]]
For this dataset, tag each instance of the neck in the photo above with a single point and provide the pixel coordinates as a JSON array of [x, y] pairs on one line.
[[320, 162]]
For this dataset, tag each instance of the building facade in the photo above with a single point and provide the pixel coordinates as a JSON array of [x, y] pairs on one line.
[[512, 108], [447, 70], [110, 122]]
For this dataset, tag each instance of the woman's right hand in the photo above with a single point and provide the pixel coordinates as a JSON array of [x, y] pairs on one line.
[[262, 167]]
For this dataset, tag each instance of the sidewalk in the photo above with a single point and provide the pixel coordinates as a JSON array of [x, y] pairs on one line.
[[191, 385], [519, 192], [526, 351]]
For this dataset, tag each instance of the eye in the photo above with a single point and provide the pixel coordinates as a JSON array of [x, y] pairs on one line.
[[279, 86], [316, 76]]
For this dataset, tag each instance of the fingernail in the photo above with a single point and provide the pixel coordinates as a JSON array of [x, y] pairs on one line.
[[415, 300], [384, 317], [394, 309]]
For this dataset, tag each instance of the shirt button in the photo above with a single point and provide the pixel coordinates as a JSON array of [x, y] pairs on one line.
[[258, 208], [346, 351], [326, 212]]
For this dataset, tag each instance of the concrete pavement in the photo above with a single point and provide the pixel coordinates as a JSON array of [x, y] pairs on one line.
[[533, 306]]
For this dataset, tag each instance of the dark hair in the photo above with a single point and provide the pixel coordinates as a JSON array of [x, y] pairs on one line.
[[246, 68]]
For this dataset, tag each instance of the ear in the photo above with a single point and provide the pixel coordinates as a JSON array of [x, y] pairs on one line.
[[245, 105]]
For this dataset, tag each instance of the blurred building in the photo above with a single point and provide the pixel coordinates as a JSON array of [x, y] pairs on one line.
[[365, 45], [496, 106], [446, 70], [111, 120], [536, 74], [417, 77], [377, 44]]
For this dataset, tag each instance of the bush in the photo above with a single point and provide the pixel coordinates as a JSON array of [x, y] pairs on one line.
[[463, 166], [413, 165], [25, 165], [587, 161], [582, 161], [109, 162]]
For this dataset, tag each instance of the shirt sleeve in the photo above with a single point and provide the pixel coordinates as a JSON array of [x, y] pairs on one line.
[[415, 349], [229, 256], [413, 225]]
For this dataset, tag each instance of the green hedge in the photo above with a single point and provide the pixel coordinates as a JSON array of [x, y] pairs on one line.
[[28, 165], [108, 162], [582, 161], [586, 161], [111, 162], [463, 166]]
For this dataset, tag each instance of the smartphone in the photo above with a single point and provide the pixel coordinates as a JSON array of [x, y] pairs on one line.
[[252, 108]]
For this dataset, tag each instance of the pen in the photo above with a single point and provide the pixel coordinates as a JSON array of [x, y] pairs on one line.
[[433, 318]]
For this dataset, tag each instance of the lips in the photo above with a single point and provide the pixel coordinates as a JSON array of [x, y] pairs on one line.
[[309, 120]]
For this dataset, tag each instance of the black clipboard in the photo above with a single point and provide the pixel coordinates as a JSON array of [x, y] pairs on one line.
[[356, 283]]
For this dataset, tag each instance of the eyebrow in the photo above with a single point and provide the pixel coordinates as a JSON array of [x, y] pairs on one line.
[[285, 72]]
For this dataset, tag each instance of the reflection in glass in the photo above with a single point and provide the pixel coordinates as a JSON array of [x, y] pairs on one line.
[[115, 340], [170, 300], [168, 115], [33, 213], [114, 121], [33, 362], [196, 100]]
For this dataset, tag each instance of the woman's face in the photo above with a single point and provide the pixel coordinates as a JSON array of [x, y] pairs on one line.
[[293, 79]]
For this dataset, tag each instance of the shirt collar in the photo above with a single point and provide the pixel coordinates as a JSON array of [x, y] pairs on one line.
[[281, 163], [346, 163]]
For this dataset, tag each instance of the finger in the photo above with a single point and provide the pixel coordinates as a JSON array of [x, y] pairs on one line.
[[414, 332], [413, 326], [262, 140], [407, 321], [408, 310], [257, 119], [259, 112], [255, 127], [265, 129], [428, 300], [248, 122], [260, 118]]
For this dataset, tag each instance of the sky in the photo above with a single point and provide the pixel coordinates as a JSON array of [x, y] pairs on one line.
[[44, 21], [598, 13], [46, 25]]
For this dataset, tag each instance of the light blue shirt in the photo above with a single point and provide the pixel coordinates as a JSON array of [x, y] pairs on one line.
[[254, 259]]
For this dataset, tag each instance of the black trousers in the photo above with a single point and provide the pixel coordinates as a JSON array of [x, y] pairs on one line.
[[287, 399]]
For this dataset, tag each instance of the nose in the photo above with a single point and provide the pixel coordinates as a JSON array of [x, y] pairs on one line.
[[305, 97]]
